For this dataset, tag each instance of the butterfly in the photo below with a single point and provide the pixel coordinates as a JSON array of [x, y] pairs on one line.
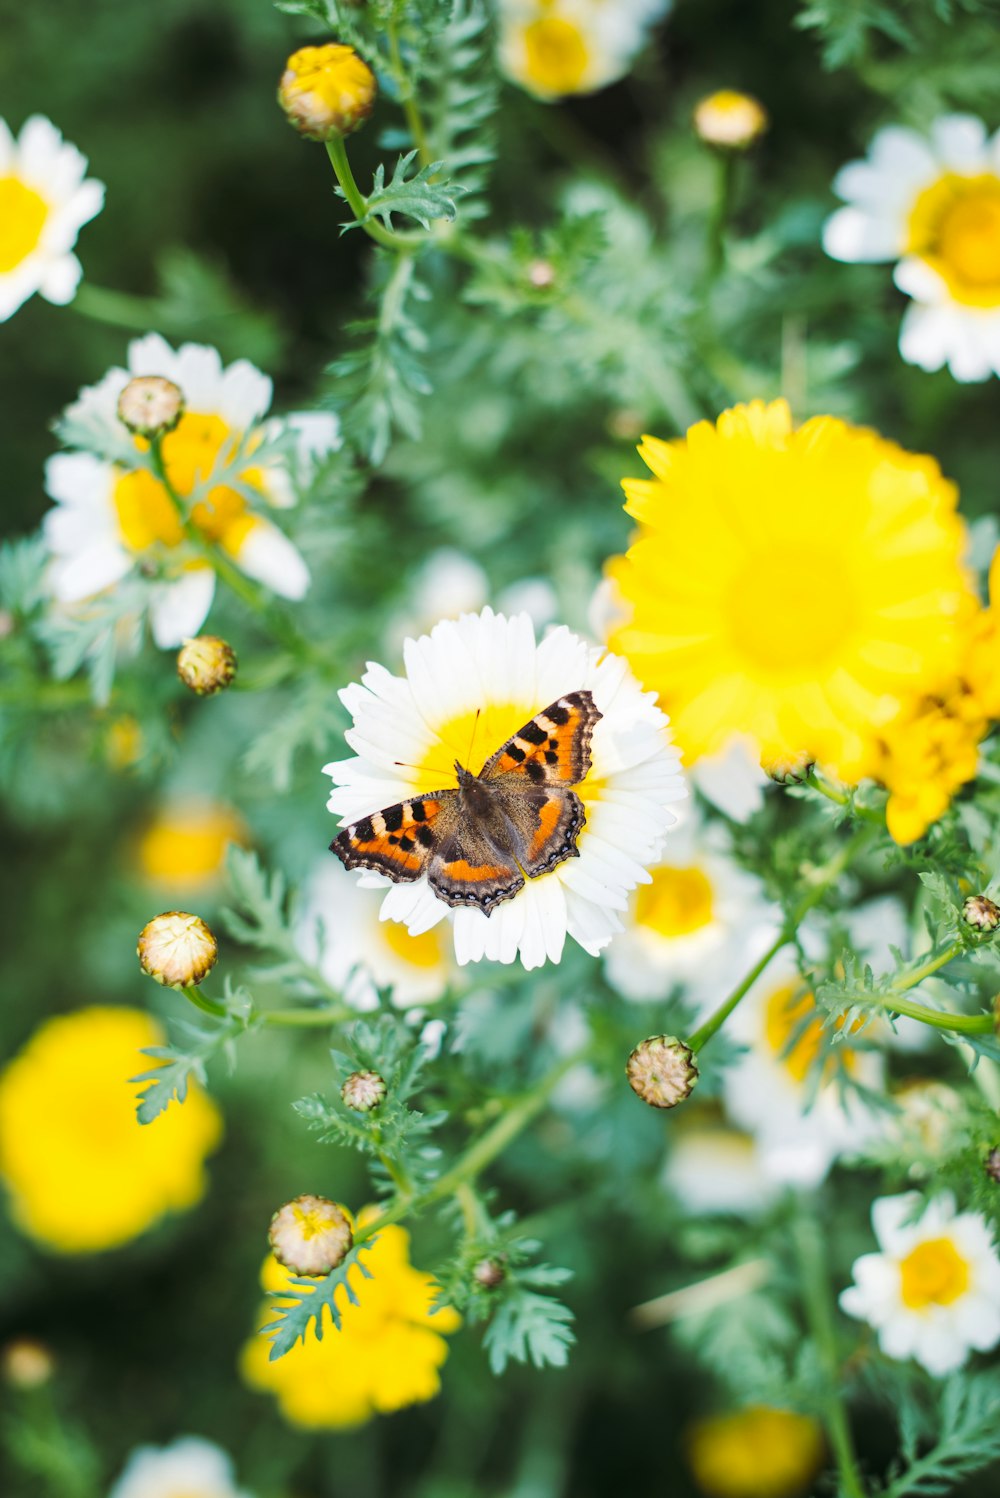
[[516, 819]]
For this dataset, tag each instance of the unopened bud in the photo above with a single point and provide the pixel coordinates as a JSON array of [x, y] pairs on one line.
[[363, 1091], [981, 913], [310, 1235], [730, 120], [790, 769], [26, 1364], [991, 1164], [150, 406], [177, 949], [327, 92], [541, 274], [489, 1273], [662, 1071], [206, 664]]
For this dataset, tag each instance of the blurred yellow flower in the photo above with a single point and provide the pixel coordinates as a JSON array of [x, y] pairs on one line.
[[757, 1452], [184, 847], [386, 1354], [729, 119], [798, 586], [82, 1172]]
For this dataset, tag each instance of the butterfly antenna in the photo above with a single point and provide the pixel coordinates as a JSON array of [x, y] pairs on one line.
[[472, 740], [431, 769]]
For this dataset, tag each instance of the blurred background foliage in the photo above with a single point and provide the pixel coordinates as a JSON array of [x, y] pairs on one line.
[[216, 210]]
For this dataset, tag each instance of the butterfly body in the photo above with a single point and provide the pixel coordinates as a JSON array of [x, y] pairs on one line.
[[518, 818]]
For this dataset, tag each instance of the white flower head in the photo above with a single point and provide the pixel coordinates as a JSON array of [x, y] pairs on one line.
[[553, 48], [190, 1466], [801, 1126], [700, 922], [45, 200], [114, 518], [712, 1168], [932, 1292], [362, 951], [932, 203], [469, 686]]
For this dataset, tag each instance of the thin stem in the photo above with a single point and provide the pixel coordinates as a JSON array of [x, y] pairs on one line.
[[304, 1019], [411, 109], [818, 1301], [715, 1021], [358, 204], [208, 1006], [933, 963], [962, 1024], [842, 798]]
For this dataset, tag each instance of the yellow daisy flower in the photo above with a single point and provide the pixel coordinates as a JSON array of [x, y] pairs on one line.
[[82, 1172], [184, 847], [385, 1356], [757, 1452], [793, 585]]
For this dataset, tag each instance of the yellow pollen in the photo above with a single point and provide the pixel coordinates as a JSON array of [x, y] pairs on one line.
[[789, 609], [557, 55], [955, 226], [146, 513], [423, 951], [933, 1274], [471, 738], [312, 1223], [22, 218], [678, 902]]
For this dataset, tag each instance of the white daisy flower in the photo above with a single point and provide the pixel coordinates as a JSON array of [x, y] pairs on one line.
[[932, 1292], [732, 780], [45, 200], [771, 1089], [553, 48], [712, 1168], [358, 951], [700, 922], [470, 685], [114, 517], [932, 203], [190, 1466]]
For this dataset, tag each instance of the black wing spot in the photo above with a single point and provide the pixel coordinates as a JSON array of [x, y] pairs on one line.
[[533, 734], [551, 757], [425, 837], [363, 831], [534, 771], [557, 715], [393, 818], [516, 753], [417, 811], [406, 843]]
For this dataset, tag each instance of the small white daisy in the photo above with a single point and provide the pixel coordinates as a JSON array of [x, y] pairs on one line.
[[712, 1168], [932, 203], [189, 1468], [360, 952], [45, 200], [932, 1292], [113, 517], [769, 1089], [469, 686], [701, 922], [553, 48]]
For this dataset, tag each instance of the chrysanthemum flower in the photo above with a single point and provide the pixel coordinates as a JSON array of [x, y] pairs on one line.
[[757, 1452], [114, 517], [701, 922], [44, 203], [387, 1353], [792, 585], [183, 849], [82, 1172], [932, 1292], [557, 47], [714, 1168], [932, 203], [469, 686], [361, 953], [188, 1468]]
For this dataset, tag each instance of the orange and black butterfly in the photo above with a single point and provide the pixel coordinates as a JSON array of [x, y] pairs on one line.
[[516, 819]]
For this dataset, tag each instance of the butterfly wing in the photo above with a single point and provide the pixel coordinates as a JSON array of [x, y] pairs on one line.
[[553, 748], [400, 840], [468, 868]]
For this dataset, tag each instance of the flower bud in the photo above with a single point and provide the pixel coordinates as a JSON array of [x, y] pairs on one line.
[[662, 1071], [363, 1091], [542, 274], [310, 1235], [327, 91], [791, 769], [981, 913], [177, 949], [206, 664], [730, 120], [26, 1364], [991, 1164], [150, 406], [489, 1273]]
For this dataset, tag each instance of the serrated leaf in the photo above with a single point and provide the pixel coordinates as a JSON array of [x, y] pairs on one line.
[[308, 1303], [529, 1328], [419, 197]]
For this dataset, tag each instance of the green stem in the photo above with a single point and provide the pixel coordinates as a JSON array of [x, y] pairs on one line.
[[358, 204], [818, 1301], [843, 798], [718, 221], [208, 1006], [118, 309], [304, 1019], [715, 1021], [962, 1024], [411, 109]]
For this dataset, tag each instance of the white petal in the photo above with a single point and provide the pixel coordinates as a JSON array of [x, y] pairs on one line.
[[244, 395], [90, 571], [892, 1219], [960, 142], [265, 553], [179, 608], [60, 279], [854, 234]]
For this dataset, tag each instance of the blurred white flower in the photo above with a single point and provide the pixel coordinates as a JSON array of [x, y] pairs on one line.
[[932, 1292], [731, 780], [44, 203], [189, 1468], [712, 1168], [557, 47]]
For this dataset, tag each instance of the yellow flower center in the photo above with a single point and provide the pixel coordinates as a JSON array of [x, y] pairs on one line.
[[424, 951], [556, 55], [955, 225], [933, 1274], [470, 738], [789, 609], [676, 903], [787, 1010], [22, 218], [189, 850], [146, 513]]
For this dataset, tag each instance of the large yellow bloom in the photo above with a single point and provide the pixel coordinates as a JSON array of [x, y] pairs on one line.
[[757, 1452], [82, 1172], [386, 1354], [793, 585]]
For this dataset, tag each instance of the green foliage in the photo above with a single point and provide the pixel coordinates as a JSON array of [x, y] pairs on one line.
[[177, 1065], [308, 1303], [944, 1439], [422, 196]]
